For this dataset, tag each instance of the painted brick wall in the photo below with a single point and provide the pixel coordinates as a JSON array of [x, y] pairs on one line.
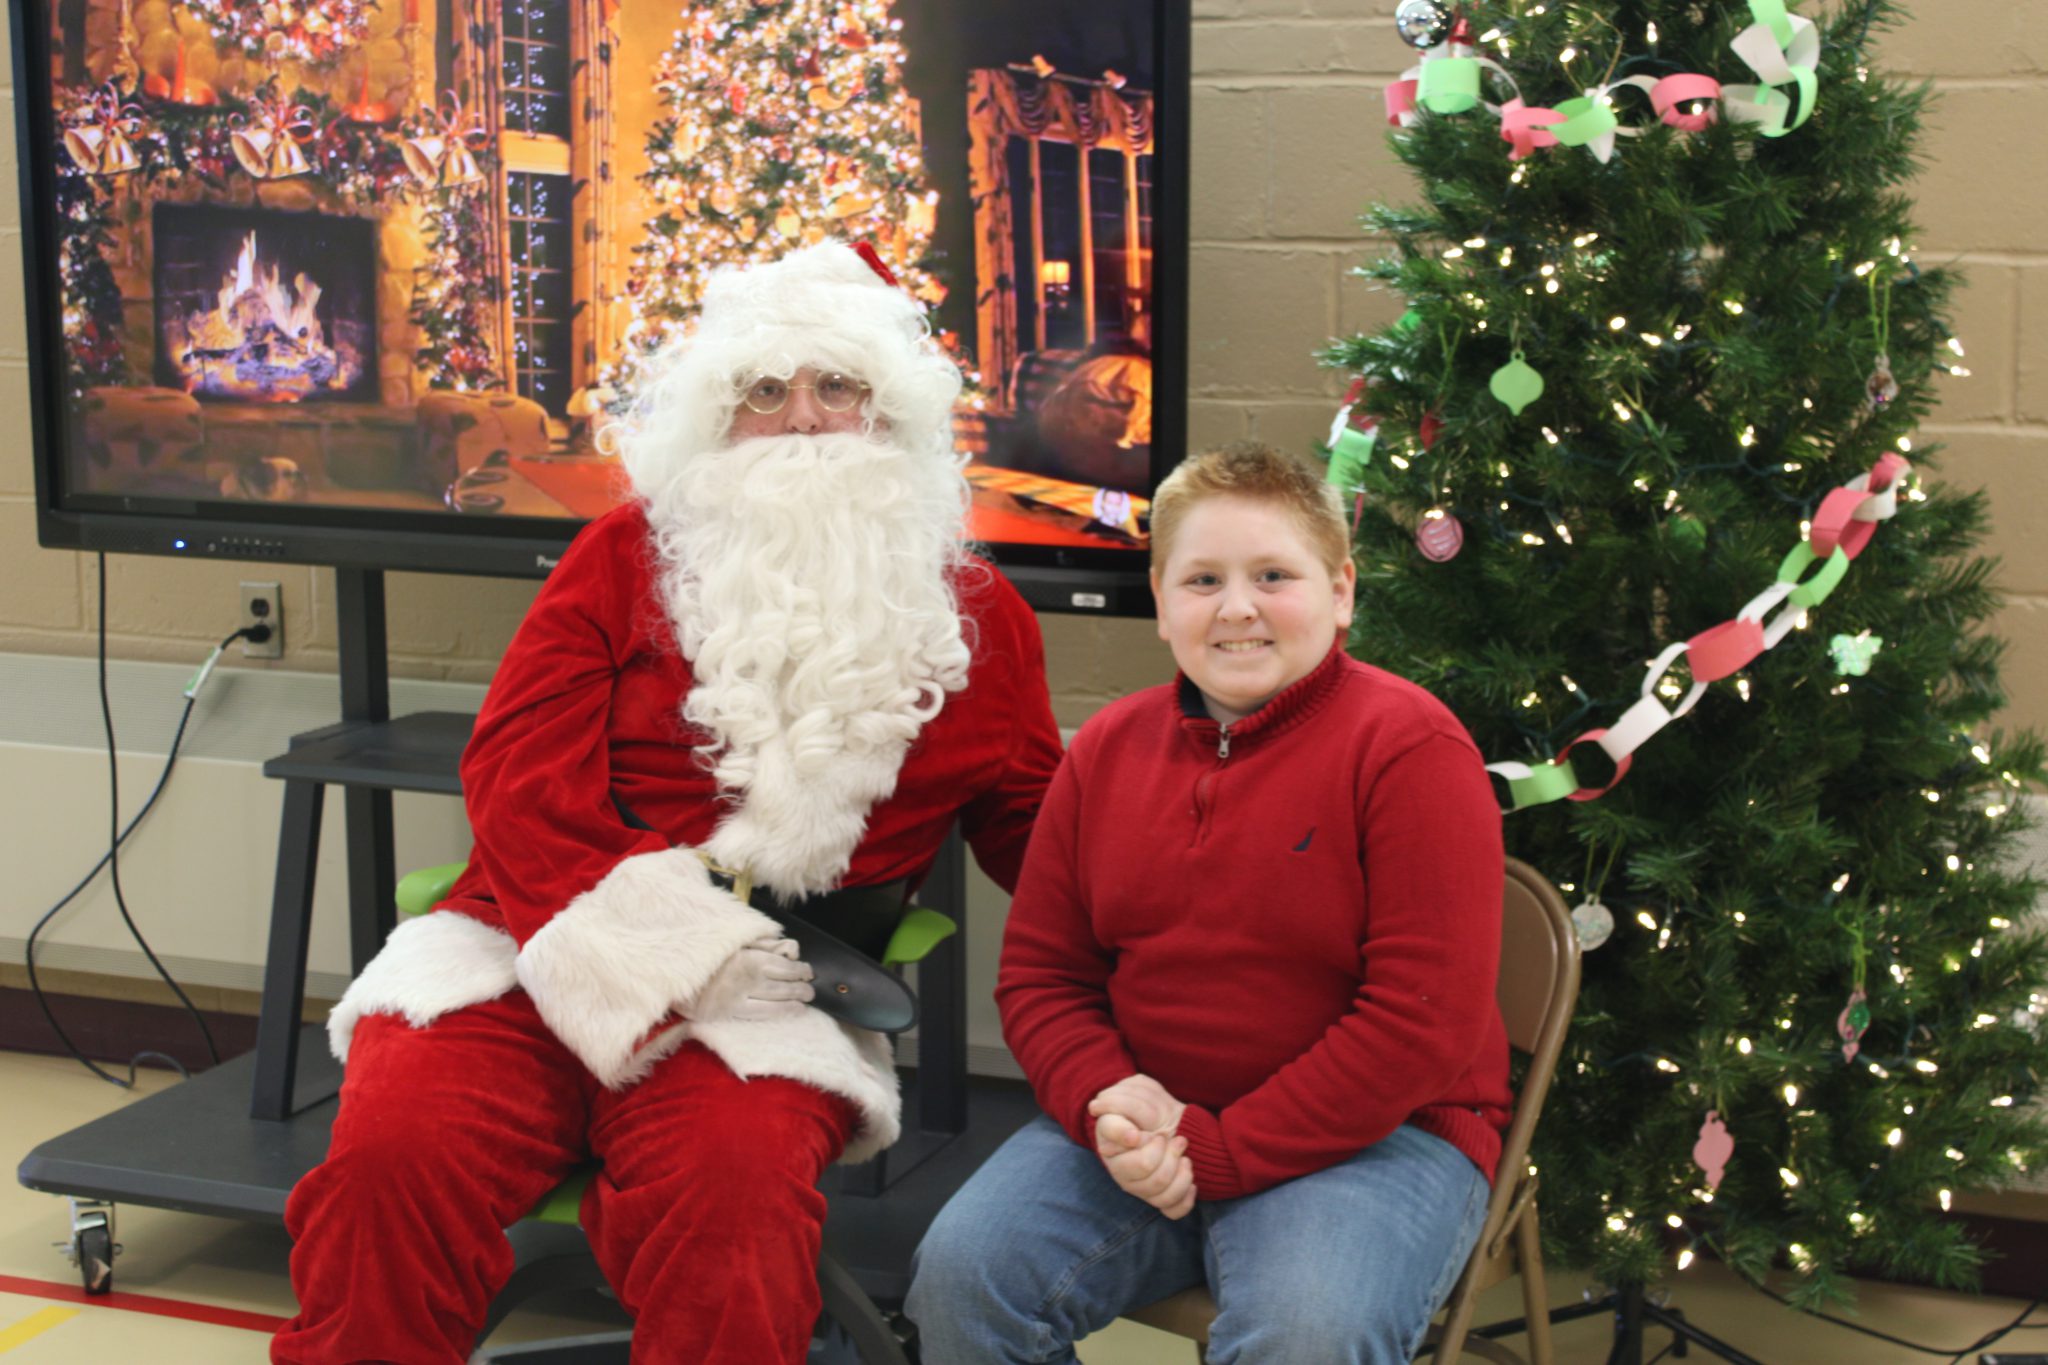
[[1289, 150]]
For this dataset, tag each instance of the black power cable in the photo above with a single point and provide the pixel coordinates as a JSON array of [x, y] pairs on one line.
[[116, 836], [2018, 1324]]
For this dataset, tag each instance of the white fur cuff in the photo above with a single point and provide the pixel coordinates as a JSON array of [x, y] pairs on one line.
[[430, 966], [624, 953]]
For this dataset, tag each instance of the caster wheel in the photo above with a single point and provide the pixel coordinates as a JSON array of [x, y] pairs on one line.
[[93, 1248]]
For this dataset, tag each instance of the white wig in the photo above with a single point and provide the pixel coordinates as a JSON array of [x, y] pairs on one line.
[[822, 306]]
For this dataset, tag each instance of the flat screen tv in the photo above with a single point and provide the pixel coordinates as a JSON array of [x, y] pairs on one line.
[[360, 282]]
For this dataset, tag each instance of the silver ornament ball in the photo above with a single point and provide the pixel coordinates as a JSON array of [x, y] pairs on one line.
[[1593, 922], [1423, 23]]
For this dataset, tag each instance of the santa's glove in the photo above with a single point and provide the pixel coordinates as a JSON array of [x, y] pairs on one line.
[[763, 981]]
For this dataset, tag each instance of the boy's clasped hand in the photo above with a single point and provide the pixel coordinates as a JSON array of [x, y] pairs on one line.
[[1135, 1123]]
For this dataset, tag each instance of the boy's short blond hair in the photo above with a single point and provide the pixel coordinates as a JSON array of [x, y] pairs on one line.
[[1251, 469]]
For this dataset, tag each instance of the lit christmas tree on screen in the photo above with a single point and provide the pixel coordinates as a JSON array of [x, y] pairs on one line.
[[787, 124]]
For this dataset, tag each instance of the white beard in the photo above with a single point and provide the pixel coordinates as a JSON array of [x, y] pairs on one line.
[[809, 582]]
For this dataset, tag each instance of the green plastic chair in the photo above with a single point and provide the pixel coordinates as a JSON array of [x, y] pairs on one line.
[[554, 1264]]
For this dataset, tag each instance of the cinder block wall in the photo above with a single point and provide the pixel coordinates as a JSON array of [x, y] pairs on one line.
[[1289, 149]]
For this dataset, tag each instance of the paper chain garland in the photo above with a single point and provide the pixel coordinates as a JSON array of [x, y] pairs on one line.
[[1781, 49], [1841, 528]]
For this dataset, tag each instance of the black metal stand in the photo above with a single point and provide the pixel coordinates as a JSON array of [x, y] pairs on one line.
[[1632, 1312], [369, 756]]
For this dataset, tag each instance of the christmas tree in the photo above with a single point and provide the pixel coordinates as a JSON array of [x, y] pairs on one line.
[[1666, 348], [787, 124]]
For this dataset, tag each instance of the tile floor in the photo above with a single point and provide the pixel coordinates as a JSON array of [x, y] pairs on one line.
[[235, 1274]]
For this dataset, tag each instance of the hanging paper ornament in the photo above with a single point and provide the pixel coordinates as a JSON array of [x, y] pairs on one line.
[[1447, 81], [1353, 435], [1431, 427], [1881, 387], [1516, 383], [1525, 128], [788, 221], [1350, 452], [1440, 536], [1422, 23], [1851, 1023], [1853, 653], [1782, 49], [1593, 923], [1713, 1149]]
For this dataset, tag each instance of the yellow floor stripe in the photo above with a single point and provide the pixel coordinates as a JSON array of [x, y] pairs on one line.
[[33, 1326]]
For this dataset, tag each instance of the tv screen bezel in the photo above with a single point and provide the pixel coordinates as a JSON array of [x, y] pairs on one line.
[[1089, 580]]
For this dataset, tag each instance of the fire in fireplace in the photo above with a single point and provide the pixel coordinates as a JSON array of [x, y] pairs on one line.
[[267, 307]]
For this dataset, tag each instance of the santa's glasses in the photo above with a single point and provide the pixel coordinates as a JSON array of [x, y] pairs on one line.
[[835, 392]]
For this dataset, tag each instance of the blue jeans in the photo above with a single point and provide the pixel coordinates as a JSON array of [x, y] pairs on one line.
[[1349, 1264]]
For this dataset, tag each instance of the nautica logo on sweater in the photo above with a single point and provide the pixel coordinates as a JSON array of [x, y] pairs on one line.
[[1302, 847]]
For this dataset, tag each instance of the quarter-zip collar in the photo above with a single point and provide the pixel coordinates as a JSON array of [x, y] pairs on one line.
[[1293, 705]]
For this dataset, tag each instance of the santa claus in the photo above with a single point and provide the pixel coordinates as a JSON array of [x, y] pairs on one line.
[[775, 669]]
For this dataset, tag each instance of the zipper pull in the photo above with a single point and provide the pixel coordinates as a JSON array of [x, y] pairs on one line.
[[1223, 744]]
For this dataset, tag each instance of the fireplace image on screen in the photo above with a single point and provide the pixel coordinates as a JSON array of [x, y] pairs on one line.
[[265, 307], [419, 258]]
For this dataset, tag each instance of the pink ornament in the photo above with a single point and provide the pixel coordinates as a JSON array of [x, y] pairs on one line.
[[1440, 536], [1713, 1149]]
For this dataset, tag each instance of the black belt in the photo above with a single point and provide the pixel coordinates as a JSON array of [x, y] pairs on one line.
[[851, 983]]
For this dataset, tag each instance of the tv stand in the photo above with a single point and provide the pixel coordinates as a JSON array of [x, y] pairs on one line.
[[232, 1141], [369, 760]]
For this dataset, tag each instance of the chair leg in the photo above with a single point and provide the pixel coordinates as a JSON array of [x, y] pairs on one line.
[[546, 1257], [856, 1314], [1450, 1342], [1535, 1292]]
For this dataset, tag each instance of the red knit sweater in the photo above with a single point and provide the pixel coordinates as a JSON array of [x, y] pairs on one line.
[[1295, 930]]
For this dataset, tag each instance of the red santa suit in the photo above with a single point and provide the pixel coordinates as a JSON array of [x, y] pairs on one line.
[[531, 1020]]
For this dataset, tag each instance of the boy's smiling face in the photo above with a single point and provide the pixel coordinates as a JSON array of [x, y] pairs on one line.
[[1247, 605]]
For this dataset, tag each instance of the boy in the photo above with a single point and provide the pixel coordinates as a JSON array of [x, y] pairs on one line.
[[1249, 971]]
